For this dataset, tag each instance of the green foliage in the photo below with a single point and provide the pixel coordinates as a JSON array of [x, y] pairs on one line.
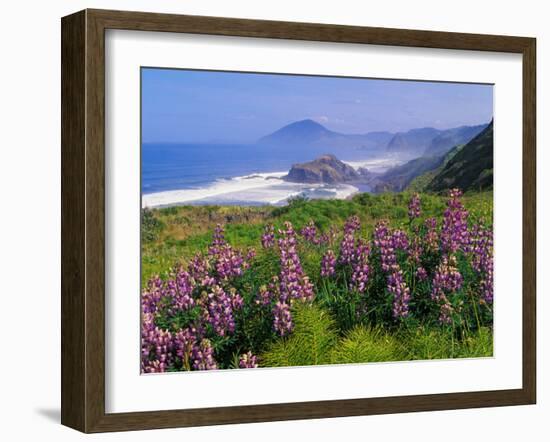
[[365, 344], [151, 226], [311, 342], [314, 342], [424, 343]]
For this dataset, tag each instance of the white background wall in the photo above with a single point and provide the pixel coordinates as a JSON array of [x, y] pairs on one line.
[[30, 216]]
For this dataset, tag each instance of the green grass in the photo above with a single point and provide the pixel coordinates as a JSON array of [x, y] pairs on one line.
[[311, 342], [315, 341], [176, 234]]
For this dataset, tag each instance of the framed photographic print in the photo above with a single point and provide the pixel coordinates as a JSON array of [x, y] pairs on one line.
[[266, 221]]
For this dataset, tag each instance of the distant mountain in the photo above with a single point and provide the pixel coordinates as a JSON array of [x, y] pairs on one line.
[[471, 168], [450, 138], [309, 132], [373, 140], [325, 169], [428, 141], [305, 131], [413, 141]]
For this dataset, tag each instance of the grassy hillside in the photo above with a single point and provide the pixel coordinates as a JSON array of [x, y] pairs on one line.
[[471, 168], [175, 234], [398, 178], [421, 182]]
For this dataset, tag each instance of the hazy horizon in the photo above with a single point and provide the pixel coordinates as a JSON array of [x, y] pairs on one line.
[[188, 106]]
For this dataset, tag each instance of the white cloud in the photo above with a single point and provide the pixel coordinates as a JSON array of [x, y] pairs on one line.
[[321, 119]]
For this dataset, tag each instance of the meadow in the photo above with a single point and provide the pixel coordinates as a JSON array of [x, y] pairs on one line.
[[375, 278]]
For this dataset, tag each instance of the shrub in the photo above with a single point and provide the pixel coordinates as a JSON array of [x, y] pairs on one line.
[[150, 226]]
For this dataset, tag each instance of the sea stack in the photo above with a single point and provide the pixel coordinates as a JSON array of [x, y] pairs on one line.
[[325, 169]]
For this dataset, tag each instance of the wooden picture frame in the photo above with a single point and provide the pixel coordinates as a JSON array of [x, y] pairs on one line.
[[83, 219]]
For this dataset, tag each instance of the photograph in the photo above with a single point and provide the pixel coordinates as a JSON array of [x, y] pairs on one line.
[[304, 220]]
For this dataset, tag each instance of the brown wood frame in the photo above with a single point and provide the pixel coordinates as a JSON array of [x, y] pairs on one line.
[[83, 217]]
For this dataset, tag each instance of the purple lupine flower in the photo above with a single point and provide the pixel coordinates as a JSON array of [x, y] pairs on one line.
[[431, 239], [308, 292], [421, 274], [184, 341], [415, 251], [400, 240], [481, 247], [414, 207], [174, 294], [202, 356], [229, 262], [199, 269], [388, 243], [294, 284], [347, 245], [447, 279], [264, 296], [447, 276], [268, 237], [323, 239], [487, 282], [486, 285], [445, 310], [454, 232], [481, 250], [156, 347], [352, 225], [346, 248], [401, 294], [237, 300], [329, 237], [218, 240], [151, 295], [383, 240], [250, 255], [218, 310], [182, 298], [248, 360], [282, 322], [147, 331], [360, 265], [309, 232], [328, 264]]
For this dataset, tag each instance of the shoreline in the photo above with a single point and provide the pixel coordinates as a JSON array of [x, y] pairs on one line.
[[267, 188], [172, 198]]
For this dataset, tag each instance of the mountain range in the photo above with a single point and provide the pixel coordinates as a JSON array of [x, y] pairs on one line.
[[468, 167], [426, 141], [309, 132]]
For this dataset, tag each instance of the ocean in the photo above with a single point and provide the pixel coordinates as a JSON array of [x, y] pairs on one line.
[[243, 174]]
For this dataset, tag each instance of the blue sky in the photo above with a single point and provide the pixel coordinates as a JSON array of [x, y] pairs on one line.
[[230, 107]]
